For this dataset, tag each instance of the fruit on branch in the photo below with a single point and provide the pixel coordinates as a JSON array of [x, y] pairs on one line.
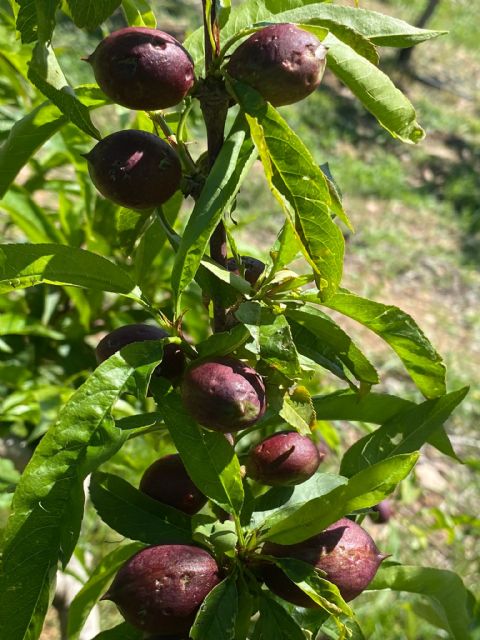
[[384, 511], [143, 68], [167, 481], [253, 268], [282, 62], [285, 458], [135, 169], [160, 589], [173, 361], [344, 551], [223, 394]]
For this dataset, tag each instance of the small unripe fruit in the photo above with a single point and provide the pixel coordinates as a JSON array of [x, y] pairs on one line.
[[143, 68], [167, 481], [173, 361], [223, 394], [135, 169], [384, 511], [344, 551], [286, 458], [253, 268], [160, 589], [282, 62]]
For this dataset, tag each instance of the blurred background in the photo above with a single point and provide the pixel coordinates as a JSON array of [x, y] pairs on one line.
[[416, 211]]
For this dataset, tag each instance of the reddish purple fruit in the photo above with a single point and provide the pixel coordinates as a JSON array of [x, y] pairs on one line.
[[223, 394], [173, 361], [167, 481], [135, 169], [282, 62], [286, 458], [160, 589], [253, 268], [143, 68], [344, 551]]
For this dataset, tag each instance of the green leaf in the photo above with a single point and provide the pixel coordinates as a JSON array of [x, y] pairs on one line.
[[96, 586], [404, 433], [29, 217], [8, 474], [218, 612], [135, 515], [445, 588], [223, 343], [365, 489], [221, 186], [139, 13], [272, 337], [325, 594], [47, 508], [375, 91], [45, 73], [90, 14], [322, 339], [401, 332], [122, 631], [12, 324], [285, 249], [33, 130], [26, 265], [36, 19], [209, 458], [299, 186], [275, 623]]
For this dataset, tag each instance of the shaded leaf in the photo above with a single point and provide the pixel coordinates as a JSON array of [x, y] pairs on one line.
[[135, 515], [122, 631], [91, 13], [209, 458], [275, 623], [218, 612]]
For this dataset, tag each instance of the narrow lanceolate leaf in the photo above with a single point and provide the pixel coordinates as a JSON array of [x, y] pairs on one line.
[[450, 598], [402, 333], [47, 508], [221, 187], [96, 586], [45, 73], [33, 130], [375, 91], [275, 623], [403, 433], [36, 19], [28, 216], [139, 13], [300, 187], [218, 612], [365, 489], [377, 408], [135, 515], [26, 265], [382, 30], [320, 338], [90, 14], [208, 456], [325, 594]]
